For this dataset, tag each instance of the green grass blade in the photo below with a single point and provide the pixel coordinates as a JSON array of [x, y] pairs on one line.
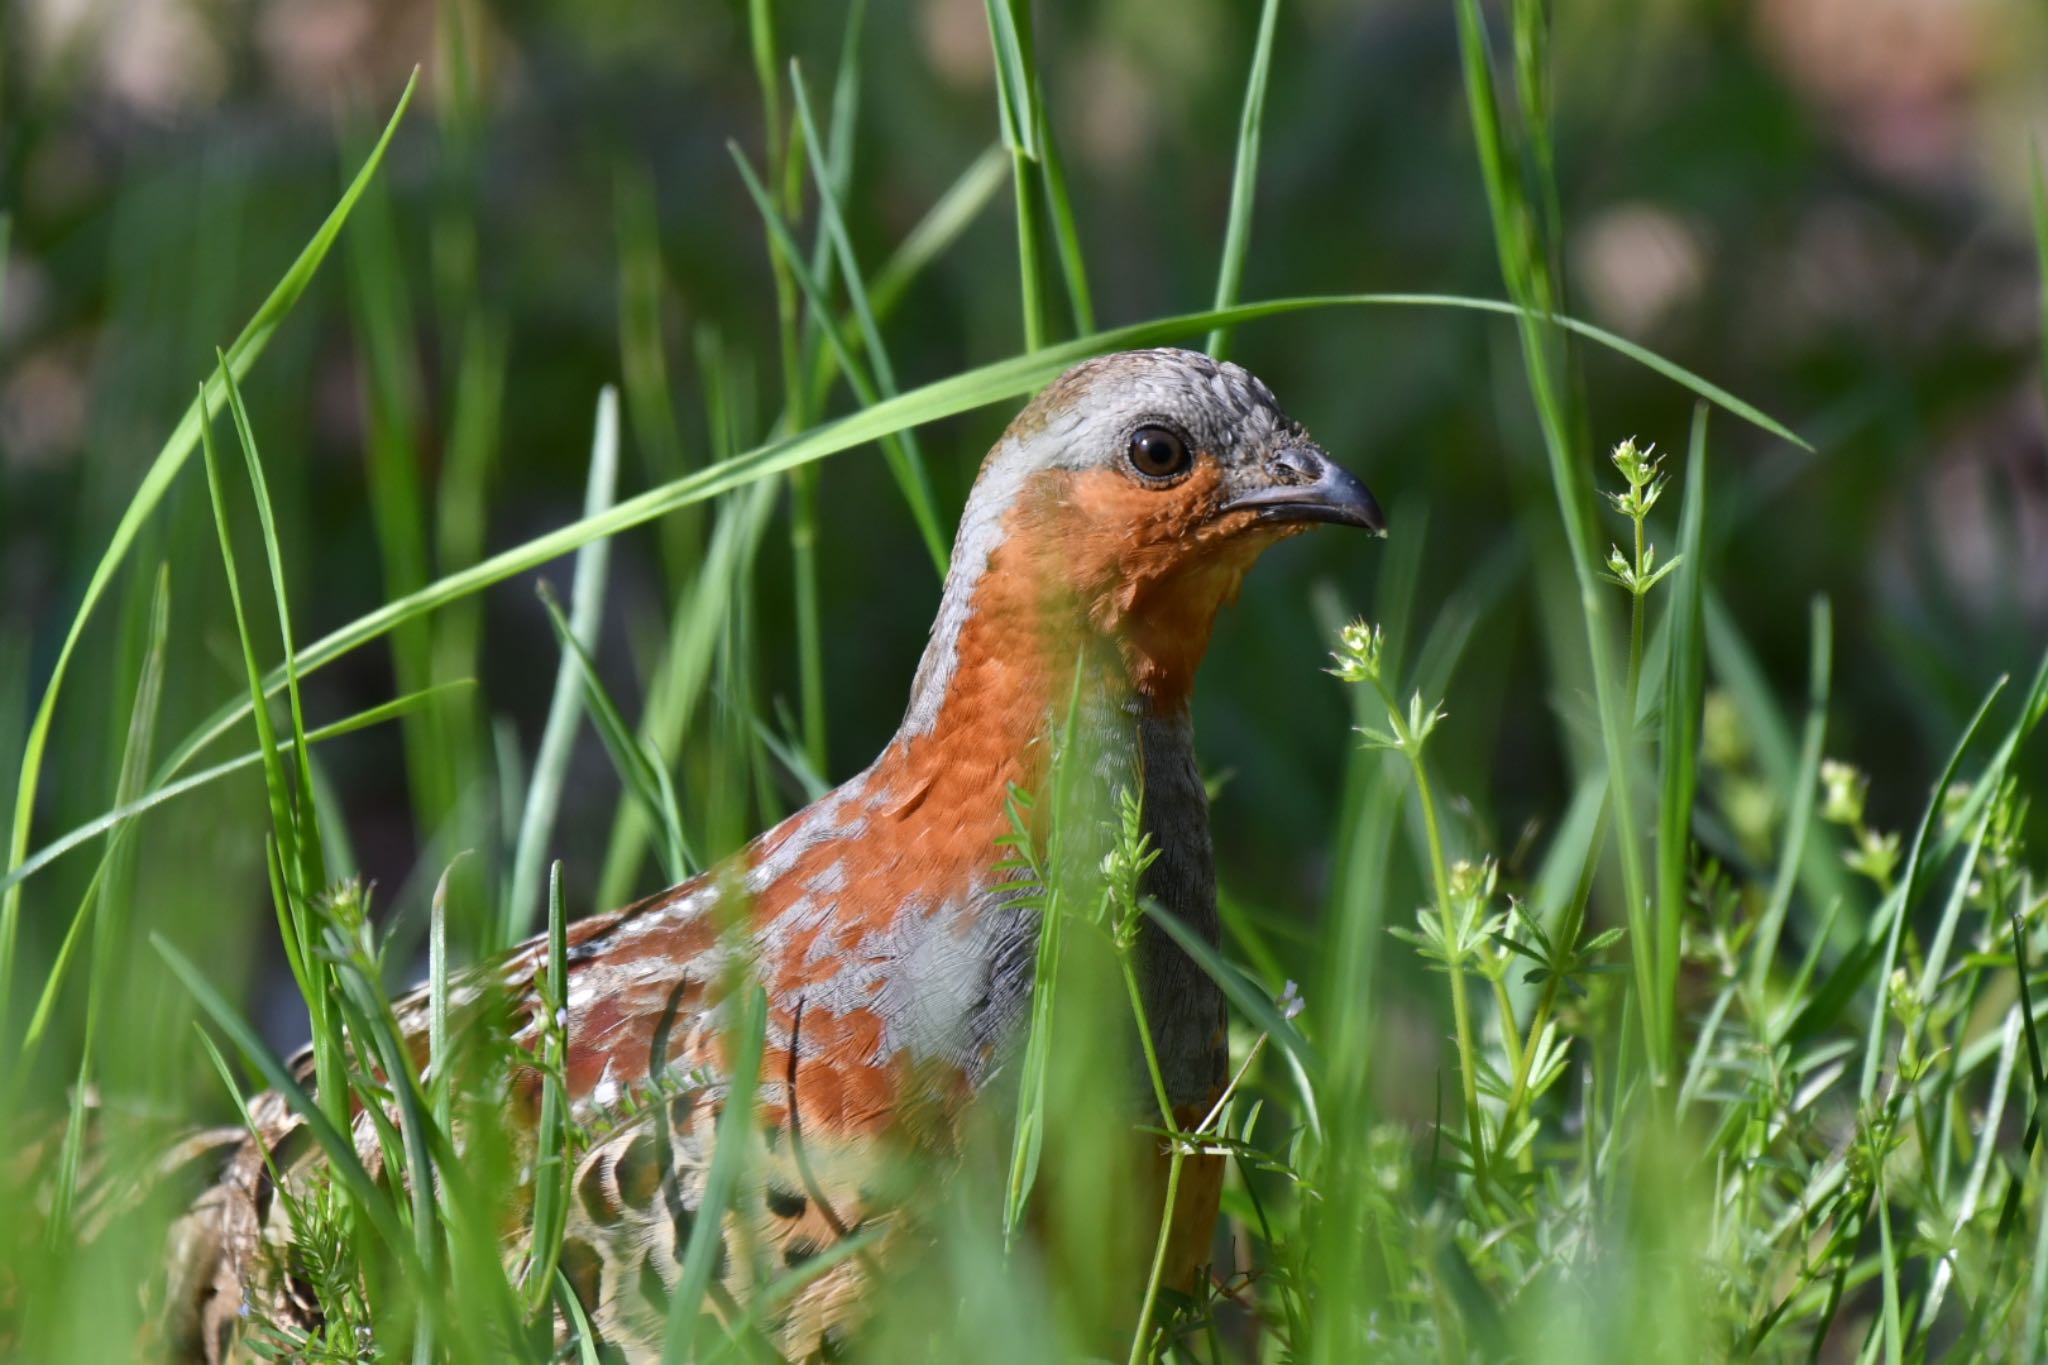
[[163, 470], [1898, 905], [312, 869], [905, 461], [950, 215], [552, 1167], [1027, 133], [1952, 912], [1244, 181], [1525, 270], [642, 772], [1737, 671], [292, 890], [1020, 132], [911, 473], [944, 398], [558, 734], [408, 1158], [53, 979], [578, 1320], [440, 1060], [1888, 1263], [283, 817], [1007, 33], [1066, 233], [111, 898], [1684, 689], [1246, 994]]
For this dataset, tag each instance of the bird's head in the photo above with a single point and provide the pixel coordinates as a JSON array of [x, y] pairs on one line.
[[1130, 497]]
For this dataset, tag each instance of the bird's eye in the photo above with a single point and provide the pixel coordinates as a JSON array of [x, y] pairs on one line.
[[1158, 452]]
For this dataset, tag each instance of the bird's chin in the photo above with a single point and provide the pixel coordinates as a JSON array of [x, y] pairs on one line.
[[1255, 529], [1292, 518]]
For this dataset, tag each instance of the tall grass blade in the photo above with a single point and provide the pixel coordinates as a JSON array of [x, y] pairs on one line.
[[1525, 269], [1684, 689], [905, 462], [276, 784], [1244, 181], [644, 774], [312, 867], [558, 734], [296, 874], [1020, 135], [1066, 233], [552, 1167], [910, 466], [1900, 902], [110, 900]]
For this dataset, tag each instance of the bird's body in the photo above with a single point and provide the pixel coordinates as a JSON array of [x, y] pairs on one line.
[[896, 953]]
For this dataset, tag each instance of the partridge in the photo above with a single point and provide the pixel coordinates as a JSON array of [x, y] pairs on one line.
[[1114, 517]]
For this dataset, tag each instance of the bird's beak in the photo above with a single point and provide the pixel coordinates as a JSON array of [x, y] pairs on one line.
[[1300, 484]]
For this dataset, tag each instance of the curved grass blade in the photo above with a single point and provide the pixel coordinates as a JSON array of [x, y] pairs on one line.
[[112, 899], [906, 462], [312, 869], [1020, 132], [640, 768], [1684, 688], [552, 1167], [1244, 182], [1901, 901], [910, 469], [558, 734], [944, 398]]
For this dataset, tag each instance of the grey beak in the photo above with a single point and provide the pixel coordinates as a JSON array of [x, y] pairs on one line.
[[1308, 486]]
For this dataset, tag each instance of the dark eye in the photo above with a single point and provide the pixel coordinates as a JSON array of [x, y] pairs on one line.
[[1158, 452]]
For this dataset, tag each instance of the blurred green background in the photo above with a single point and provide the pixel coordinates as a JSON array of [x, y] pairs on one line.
[[1819, 204]]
